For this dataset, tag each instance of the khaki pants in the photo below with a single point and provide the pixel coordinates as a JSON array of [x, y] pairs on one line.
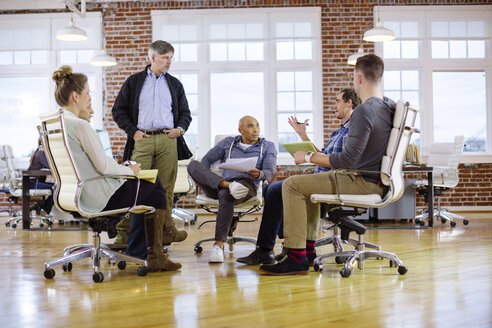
[[301, 217], [165, 152]]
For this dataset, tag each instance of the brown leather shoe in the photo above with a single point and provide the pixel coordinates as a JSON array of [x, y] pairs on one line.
[[173, 235], [161, 262], [169, 232]]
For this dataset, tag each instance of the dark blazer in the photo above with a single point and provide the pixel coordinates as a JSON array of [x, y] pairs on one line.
[[125, 110]]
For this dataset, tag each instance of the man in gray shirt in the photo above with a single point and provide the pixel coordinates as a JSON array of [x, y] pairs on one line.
[[364, 148]]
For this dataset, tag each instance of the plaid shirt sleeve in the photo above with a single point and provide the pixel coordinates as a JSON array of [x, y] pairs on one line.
[[335, 144]]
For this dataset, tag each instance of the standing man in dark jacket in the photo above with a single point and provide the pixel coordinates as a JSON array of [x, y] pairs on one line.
[[153, 110]]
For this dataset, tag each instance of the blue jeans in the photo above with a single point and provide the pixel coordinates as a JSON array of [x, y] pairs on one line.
[[272, 218], [136, 244]]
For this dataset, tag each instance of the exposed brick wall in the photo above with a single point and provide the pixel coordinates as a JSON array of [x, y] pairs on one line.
[[128, 32]]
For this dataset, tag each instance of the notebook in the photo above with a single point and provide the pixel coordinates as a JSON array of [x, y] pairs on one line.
[[293, 147]]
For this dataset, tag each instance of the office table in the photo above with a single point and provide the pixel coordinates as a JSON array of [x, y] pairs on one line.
[[26, 196], [430, 187]]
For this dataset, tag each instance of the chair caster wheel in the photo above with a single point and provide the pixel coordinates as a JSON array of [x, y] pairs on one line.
[[122, 265], [41, 225], [49, 273], [142, 271], [317, 267], [402, 270], [67, 267], [98, 277], [340, 259], [198, 249], [345, 272], [50, 223], [443, 221], [14, 225], [465, 222], [453, 224], [7, 224]]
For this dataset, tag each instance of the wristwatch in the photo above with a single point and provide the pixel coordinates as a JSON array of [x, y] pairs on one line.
[[308, 156], [181, 130]]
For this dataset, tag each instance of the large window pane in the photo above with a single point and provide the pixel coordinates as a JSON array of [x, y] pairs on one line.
[[22, 100], [233, 95], [455, 94]]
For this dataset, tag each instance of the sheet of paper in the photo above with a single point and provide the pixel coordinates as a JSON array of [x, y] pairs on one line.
[[239, 164], [148, 175], [293, 147]]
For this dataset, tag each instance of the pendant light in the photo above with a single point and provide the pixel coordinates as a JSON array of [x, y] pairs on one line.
[[379, 33], [352, 59], [103, 59], [71, 33]]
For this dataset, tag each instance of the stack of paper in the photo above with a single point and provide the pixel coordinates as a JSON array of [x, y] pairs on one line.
[[239, 164]]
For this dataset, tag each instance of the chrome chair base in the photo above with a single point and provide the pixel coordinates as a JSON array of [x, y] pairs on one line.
[[358, 255], [13, 222], [188, 217], [231, 240], [443, 215], [96, 251]]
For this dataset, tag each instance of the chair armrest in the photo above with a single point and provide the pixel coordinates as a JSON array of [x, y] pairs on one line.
[[80, 186]]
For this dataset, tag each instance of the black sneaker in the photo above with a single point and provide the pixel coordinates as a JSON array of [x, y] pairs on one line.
[[286, 266], [257, 257]]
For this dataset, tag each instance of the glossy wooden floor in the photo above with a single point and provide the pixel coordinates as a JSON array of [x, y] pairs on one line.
[[449, 284]]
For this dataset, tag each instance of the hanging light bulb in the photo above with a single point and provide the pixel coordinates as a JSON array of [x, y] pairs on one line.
[[71, 33], [352, 59], [103, 59], [379, 33]]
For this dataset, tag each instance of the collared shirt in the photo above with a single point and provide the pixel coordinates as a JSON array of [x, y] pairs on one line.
[[335, 144], [155, 111]]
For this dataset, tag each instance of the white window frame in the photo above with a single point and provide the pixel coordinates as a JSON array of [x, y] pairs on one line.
[[269, 66], [93, 24], [426, 65]]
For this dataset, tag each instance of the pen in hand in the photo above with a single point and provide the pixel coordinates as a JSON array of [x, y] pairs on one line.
[[302, 123]]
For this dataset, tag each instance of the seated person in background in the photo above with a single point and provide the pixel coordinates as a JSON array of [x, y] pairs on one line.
[[39, 162], [364, 148], [271, 220], [72, 94], [234, 187]]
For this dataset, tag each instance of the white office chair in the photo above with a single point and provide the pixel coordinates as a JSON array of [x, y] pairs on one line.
[[14, 187], [340, 206], [68, 188], [211, 205], [183, 186], [444, 159]]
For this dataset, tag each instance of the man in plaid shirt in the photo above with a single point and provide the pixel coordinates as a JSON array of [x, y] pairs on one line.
[[272, 218]]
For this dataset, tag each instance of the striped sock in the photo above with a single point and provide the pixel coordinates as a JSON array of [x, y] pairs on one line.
[[298, 254], [310, 250]]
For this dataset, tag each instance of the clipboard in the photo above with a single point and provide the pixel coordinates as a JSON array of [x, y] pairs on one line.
[[293, 147]]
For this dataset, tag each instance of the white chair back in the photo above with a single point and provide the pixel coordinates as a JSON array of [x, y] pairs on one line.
[[62, 165], [4, 181], [14, 180], [445, 158], [184, 184], [392, 162]]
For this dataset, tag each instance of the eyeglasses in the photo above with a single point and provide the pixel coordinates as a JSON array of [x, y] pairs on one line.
[[168, 58]]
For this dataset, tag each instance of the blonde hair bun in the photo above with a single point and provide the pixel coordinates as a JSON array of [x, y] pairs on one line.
[[62, 73]]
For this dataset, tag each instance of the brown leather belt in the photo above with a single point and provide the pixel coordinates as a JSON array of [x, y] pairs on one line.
[[154, 132]]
